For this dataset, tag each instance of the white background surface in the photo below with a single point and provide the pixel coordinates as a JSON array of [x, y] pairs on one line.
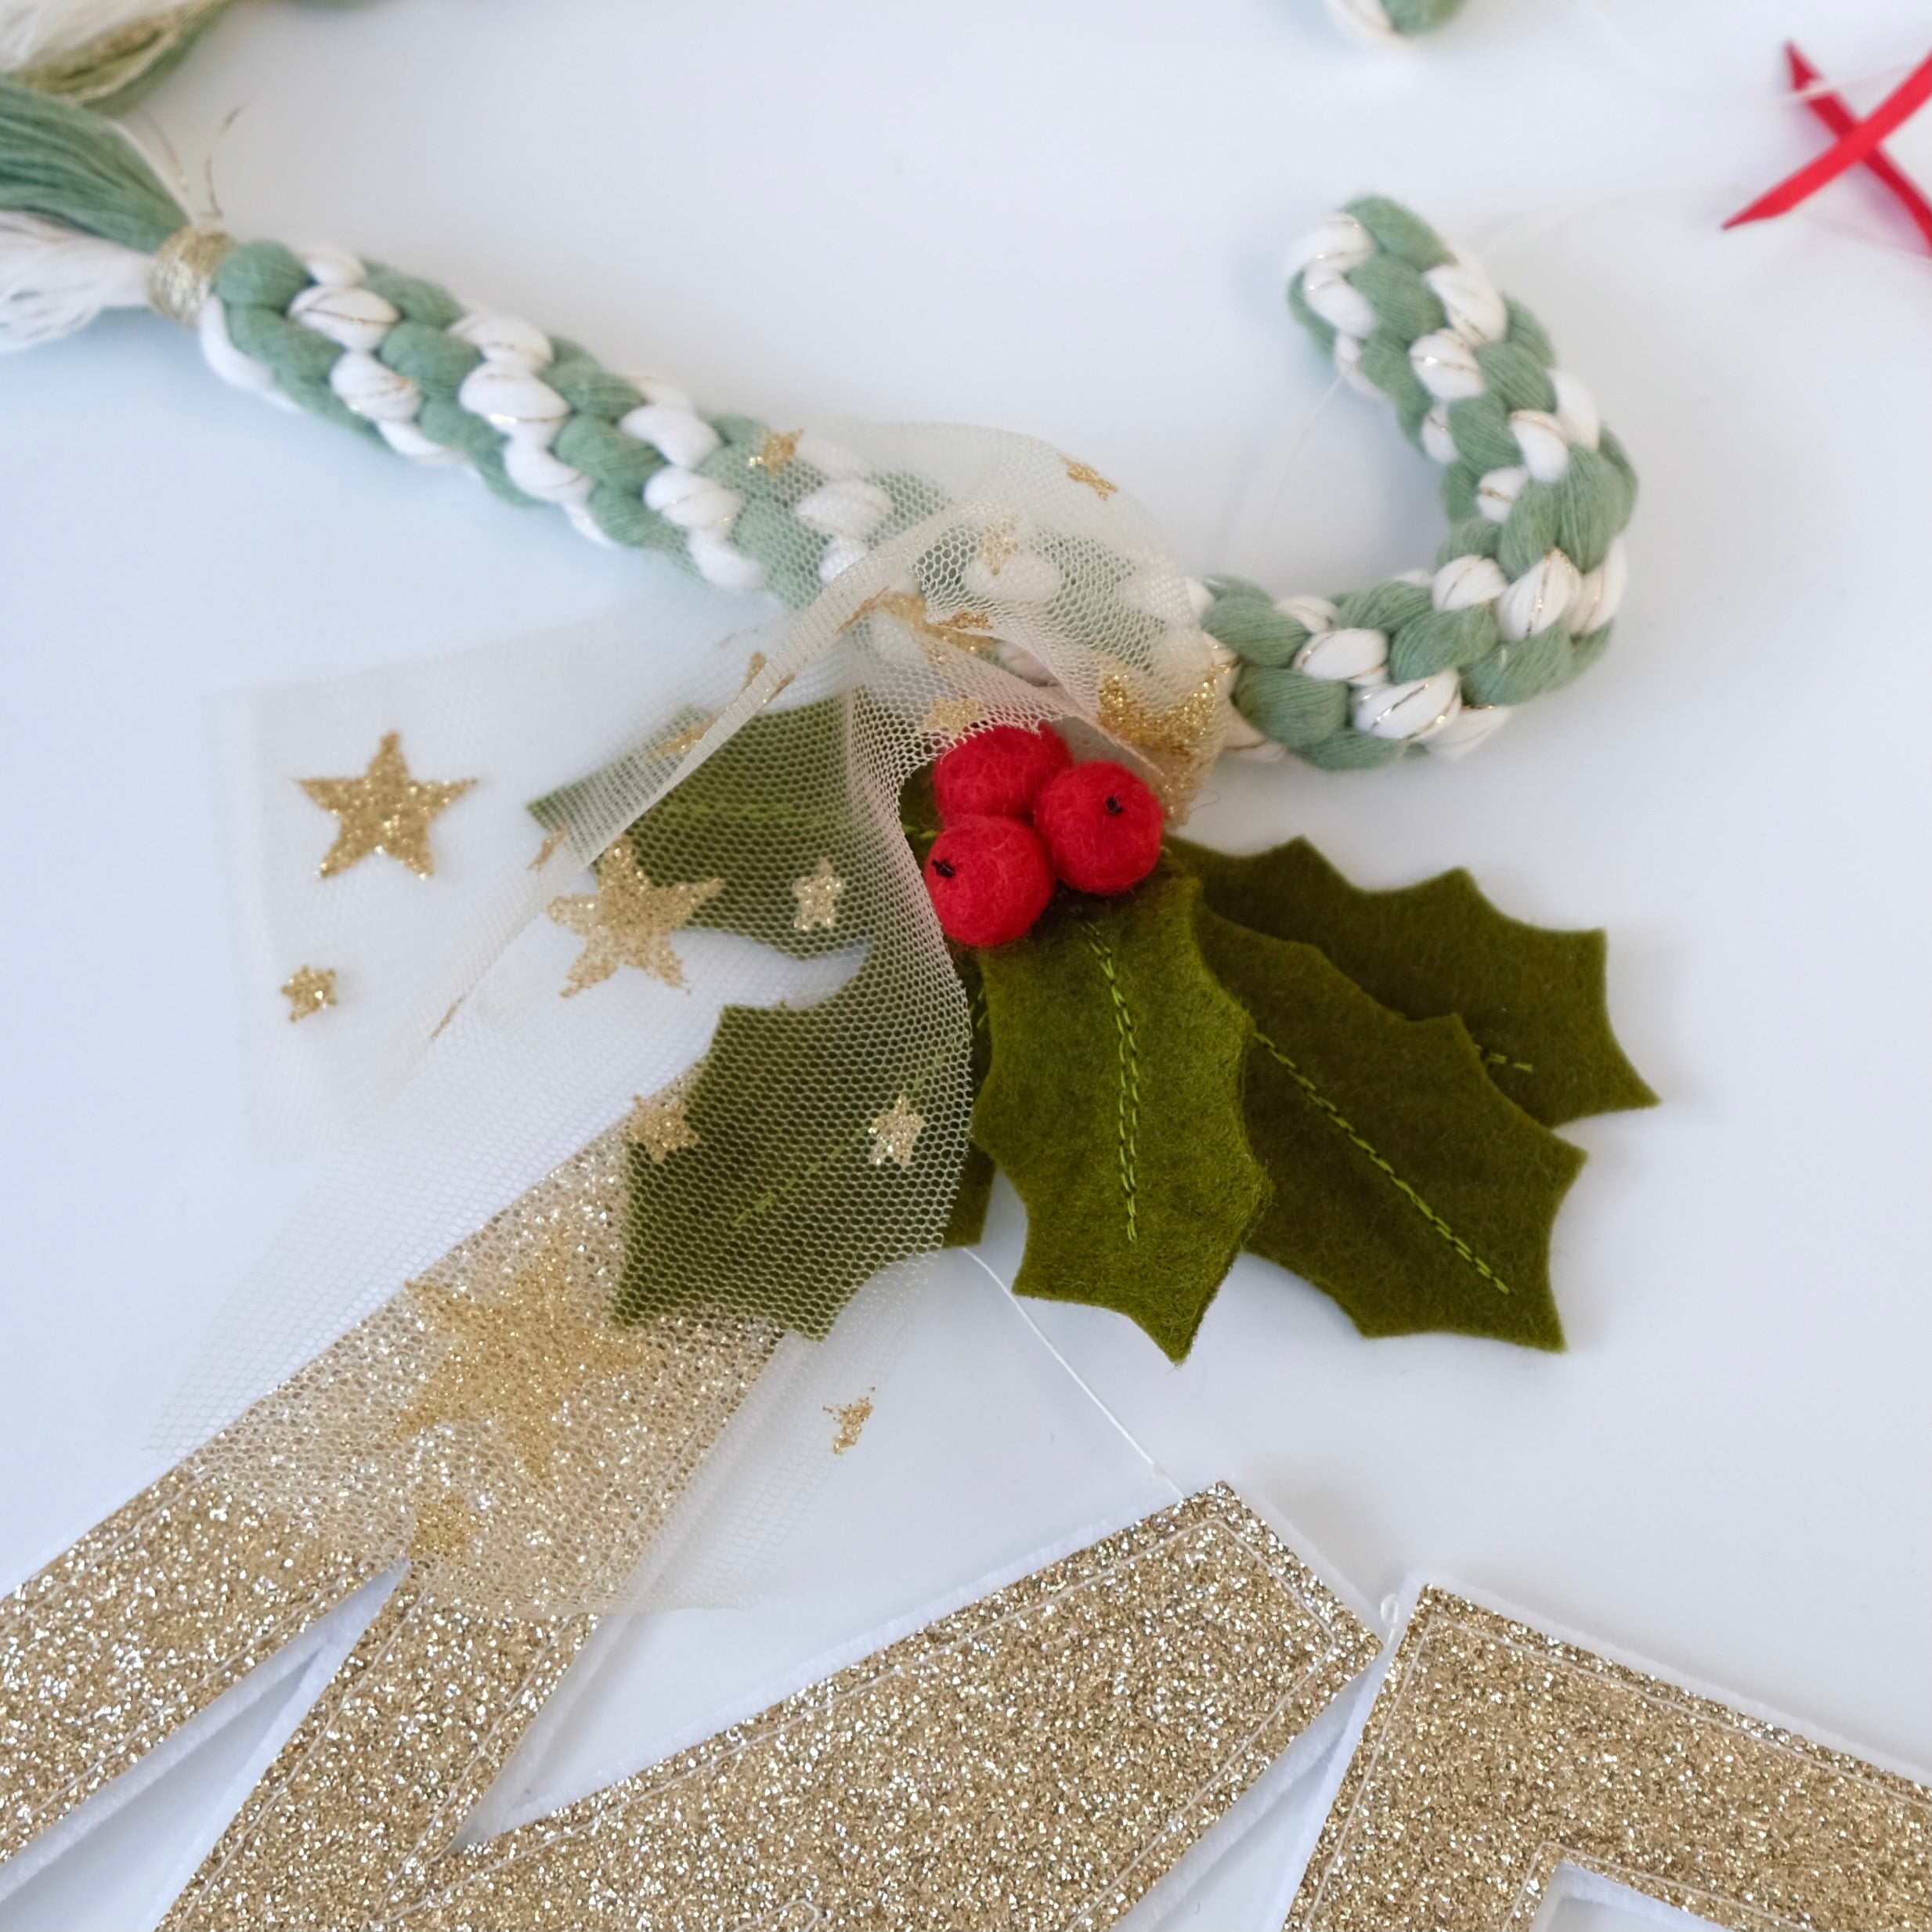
[[1068, 219]]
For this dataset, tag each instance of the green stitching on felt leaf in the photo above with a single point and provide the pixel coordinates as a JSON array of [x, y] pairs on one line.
[[1113, 1105], [1405, 1186], [1532, 998], [1127, 1095]]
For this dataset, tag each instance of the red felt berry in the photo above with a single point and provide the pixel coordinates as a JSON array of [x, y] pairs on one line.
[[997, 773], [989, 878], [1101, 825]]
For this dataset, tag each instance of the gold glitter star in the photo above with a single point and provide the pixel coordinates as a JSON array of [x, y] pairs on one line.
[[625, 922], [851, 1417], [755, 670], [970, 631], [951, 718], [658, 1123], [1086, 473], [999, 544], [777, 450], [548, 847], [383, 810], [817, 896], [1182, 738], [895, 1133], [307, 990], [517, 1360], [679, 742]]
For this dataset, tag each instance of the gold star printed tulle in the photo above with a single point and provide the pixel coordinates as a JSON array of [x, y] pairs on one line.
[[1181, 741], [895, 1133], [951, 718], [445, 1526], [626, 921], [777, 450], [515, 1361], [817, 896], [657, 1122], [965, 630], [383, 810], [308, 990], [1087, 475], [851, 1417]]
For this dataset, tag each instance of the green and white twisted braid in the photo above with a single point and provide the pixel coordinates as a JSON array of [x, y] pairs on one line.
[[107, 54], [1382, 20], [1538, 492], [1519, 601]]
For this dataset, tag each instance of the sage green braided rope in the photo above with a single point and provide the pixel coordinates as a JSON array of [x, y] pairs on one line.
[[1518, 603], [540, 420], [1523, 588], [1457, 621], [1383, 19], [259, 284], [1419, 16]]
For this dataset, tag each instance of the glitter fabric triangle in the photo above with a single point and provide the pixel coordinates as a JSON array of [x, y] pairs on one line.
[[485, 1428], [1042, 1758], [1500, 1766]]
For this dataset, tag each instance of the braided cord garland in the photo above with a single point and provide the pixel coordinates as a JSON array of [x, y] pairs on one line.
[[1392, 20], [1519, 602], [392, 355], [1538, 492]]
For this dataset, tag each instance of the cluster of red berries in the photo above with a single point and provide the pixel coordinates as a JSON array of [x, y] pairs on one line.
[[1018, 815]]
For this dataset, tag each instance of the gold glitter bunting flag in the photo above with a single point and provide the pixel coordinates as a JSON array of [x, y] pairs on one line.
[[490, 1428], [1039, 1759], [382, 1770], [1495, 1754], [140, 1627], [1042, 1758], [490, 1437]]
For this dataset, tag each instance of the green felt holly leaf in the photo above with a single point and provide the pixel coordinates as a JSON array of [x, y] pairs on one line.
[[1532, 998], [777, 1207], [1113, 1104], [1405, 1184], [824, 1141], [762, 814]]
